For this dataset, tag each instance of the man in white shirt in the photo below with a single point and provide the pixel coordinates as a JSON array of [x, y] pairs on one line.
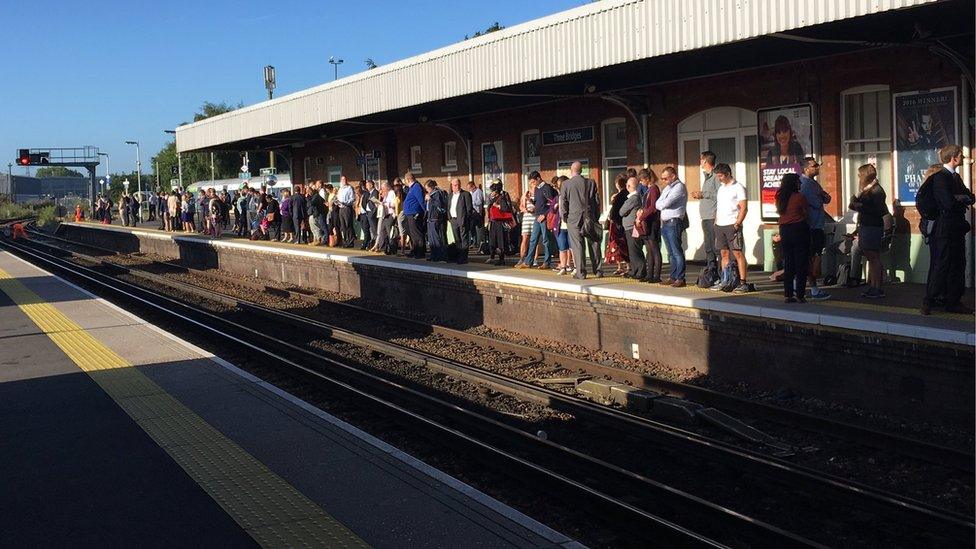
[[346, 198], [731, 207], [477, 232], [459, 214]]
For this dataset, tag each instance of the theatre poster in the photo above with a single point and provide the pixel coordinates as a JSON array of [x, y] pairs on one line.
[[925, 121]]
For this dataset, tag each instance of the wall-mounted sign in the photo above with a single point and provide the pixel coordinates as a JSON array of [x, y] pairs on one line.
[[493, 162], [562, 167], [572, 135], [785, 137], [925, 121]]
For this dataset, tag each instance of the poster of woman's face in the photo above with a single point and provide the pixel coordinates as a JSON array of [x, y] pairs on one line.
[[785, 135], [785, 138]]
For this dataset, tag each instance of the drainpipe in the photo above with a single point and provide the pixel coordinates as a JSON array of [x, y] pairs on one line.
[[644, 143], [967, 174]]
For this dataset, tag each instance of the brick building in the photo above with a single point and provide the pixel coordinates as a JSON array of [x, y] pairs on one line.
[[665, 80]]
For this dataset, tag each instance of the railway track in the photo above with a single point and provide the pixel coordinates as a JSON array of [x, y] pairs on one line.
[[617, 495], [889, 505]]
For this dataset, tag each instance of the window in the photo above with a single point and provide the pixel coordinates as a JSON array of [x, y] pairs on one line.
[[415, 165], [866, 137], [531, 154], [334, 174], [307, 169], [614, 156], [729, 132], [450, 157]]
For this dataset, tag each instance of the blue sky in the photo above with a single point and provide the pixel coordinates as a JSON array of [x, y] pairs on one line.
[[101, 72]]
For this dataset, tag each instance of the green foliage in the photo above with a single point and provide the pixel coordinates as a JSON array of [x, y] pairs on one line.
[[57, 171], [46, 216], [196, 166], [9, 210], [209, 110], [495, 27], [370, 64]]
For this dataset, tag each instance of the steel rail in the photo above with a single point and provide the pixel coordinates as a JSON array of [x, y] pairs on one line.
[[839, 489]]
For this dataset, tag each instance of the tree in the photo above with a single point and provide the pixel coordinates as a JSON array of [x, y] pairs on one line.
[[196, 166], [495, 27], [370, 64], [57, 171]]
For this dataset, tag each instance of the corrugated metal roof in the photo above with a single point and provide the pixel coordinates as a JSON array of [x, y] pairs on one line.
[[592, 36]]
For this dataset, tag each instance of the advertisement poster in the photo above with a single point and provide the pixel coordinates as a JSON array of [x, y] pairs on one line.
[[785, 138], [925, 121], [492, 162]]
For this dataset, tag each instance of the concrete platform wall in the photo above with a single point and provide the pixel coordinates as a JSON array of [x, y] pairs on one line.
[[911, 378]]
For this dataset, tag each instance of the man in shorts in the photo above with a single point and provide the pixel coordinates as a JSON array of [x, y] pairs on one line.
[[816, 198], [731, 206]]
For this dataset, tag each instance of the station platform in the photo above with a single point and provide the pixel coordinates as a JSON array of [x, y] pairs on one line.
[[116, 433], [895, 315]]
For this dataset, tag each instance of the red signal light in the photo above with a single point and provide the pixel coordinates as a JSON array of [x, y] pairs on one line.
[[23, 157]]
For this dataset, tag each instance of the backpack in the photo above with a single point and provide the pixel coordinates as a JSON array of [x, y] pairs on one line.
[[730, 275], [843, 274], [925, 202], [552, 217], [709, 275]]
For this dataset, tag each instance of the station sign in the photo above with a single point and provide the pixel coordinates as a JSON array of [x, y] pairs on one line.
[[571, 135]]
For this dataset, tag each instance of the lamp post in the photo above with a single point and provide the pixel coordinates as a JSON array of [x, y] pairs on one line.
[[335, 63], [179, 157], [269, 84], [10, 182], [138, 175]]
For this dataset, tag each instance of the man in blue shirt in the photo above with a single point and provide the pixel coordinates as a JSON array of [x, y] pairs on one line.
[[346, 198], [544, 192], [414, 208], [672, 204], [816, 198]]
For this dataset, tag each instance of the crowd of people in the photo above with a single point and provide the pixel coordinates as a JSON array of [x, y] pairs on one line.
[[559, 224]]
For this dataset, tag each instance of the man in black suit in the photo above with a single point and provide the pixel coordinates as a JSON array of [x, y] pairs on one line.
[[578, 200], [948, 235], [461, 214]]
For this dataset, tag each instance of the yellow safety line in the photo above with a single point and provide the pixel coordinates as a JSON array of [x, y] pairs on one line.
[[269, 509]]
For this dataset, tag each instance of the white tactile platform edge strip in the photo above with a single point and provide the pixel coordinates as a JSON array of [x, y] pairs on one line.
[[474, 494], [705, 304]]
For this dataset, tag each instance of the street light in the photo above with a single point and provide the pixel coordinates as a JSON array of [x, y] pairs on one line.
[[108, 170], [335, 63], [138, 175], [269, 84], [179, 158], [10, 182]]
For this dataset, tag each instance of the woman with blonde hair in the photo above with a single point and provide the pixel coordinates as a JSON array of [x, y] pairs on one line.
[[527, 208], [871, 209]]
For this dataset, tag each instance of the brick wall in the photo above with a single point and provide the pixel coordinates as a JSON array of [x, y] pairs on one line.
[[818, 81]]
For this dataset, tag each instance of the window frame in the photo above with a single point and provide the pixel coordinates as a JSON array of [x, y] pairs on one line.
[[845, 166], [449, 166], [607, 188], [416, 161]]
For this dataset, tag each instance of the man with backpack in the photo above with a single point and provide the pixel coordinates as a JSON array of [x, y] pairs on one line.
[[816, 198], [544, 200], [944, 199], [731, 203]]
